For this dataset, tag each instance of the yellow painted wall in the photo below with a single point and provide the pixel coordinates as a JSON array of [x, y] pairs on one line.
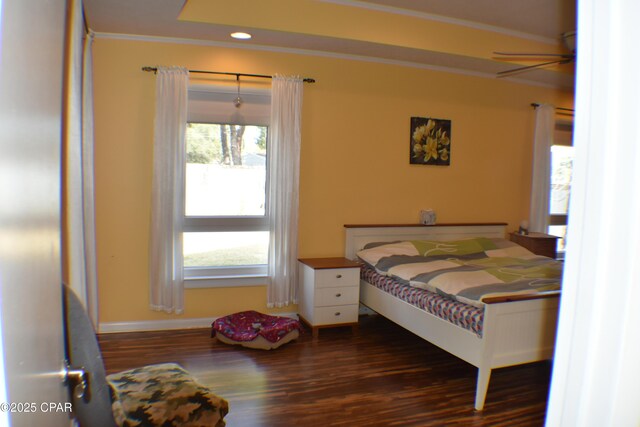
[[354, 161]]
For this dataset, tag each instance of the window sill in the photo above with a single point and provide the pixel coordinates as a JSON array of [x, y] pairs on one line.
[[224, 281]]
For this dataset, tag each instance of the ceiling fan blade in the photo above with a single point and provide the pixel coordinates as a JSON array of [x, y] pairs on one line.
[[555, 55], [530, 67]]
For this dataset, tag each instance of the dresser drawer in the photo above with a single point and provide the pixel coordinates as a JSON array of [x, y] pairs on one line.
[[336, 314], [336, 277], [337, 296]]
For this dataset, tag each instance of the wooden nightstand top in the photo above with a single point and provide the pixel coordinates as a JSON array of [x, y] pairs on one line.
[[535, 235], [324, 263], [538, 243]]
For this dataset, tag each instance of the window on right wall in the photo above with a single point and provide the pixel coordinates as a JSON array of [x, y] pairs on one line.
[[562, 155]]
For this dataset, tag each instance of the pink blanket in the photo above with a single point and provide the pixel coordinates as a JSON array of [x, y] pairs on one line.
[[248, 325]]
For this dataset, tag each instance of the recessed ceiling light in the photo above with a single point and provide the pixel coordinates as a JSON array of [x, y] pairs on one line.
[[241, 35]]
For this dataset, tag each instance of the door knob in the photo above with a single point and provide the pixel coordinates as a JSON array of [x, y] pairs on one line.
[[77, 379]]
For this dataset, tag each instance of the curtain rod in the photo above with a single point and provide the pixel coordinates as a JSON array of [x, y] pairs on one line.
[[261, 76], [534, 105]]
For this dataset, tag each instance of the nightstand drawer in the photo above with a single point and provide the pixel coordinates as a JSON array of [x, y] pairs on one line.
[[337, 296], [336, 277], [336, 314]]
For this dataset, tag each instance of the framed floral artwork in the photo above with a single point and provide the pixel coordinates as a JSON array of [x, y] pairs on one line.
[[430, 141]]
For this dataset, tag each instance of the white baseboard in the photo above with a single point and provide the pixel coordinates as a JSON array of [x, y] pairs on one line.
[[163, 325]]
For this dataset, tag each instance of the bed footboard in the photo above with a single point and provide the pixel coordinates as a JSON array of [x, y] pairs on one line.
[[515, 333]]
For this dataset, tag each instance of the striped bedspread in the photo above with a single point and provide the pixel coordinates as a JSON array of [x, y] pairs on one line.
[[463, 315], [469, 270]]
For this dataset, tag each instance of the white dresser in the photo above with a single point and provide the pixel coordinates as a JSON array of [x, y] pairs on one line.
[[329, 292]]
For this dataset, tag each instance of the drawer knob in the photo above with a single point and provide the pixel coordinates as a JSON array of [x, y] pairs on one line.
[[338, 295], [338, 276], [337, 313]]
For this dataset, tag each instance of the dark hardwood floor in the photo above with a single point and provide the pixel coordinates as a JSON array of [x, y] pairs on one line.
[[381, 375]]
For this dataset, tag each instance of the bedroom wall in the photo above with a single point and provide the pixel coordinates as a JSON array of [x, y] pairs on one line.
[[354, 159]]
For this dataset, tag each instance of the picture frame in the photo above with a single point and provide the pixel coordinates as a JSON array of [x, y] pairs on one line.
[[430, 141]]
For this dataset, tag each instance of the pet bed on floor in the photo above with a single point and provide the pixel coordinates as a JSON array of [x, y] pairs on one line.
[[255, 330]]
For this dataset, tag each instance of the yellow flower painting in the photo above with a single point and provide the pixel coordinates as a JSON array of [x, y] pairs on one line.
[[430, 141]]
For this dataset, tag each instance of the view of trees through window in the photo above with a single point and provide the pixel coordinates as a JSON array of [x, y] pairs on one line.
[[223, 143], [225, 180]]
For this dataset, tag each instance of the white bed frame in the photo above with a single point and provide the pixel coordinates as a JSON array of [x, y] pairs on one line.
[[514, 332]]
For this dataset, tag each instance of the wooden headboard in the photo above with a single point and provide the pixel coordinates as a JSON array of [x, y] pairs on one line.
[[359, 235]]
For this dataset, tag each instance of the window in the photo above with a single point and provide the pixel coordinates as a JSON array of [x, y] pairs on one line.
[[562, 154], [226, 235]]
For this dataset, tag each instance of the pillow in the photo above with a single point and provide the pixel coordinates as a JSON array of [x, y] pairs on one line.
[[374, 254], [490, 247]]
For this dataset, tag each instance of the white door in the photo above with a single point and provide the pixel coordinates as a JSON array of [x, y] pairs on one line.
[[32, 357]]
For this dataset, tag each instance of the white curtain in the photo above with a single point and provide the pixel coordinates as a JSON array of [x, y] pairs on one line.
[[284, 172], [79, 168], [541, 179], [167, 202], [596, 371]]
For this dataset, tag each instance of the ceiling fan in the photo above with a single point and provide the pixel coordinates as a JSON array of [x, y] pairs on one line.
[[568, 39]]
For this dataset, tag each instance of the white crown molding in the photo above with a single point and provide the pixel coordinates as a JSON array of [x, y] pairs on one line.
[[444, 19], [163, 325], [351, 57]]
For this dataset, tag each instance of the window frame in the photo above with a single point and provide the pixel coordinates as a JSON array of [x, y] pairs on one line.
[[206, 224], [228, 276], [563, 136]]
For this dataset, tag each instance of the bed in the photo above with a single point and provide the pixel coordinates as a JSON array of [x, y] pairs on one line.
[[515, 329]]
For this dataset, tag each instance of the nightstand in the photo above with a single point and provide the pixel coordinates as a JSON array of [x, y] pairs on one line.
[[538, 243], [329, 293]]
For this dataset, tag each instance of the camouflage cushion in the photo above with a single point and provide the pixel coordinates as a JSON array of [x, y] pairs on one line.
[[164, 395]]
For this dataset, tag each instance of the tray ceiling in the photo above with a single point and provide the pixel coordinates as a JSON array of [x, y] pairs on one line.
[[452, 35]]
